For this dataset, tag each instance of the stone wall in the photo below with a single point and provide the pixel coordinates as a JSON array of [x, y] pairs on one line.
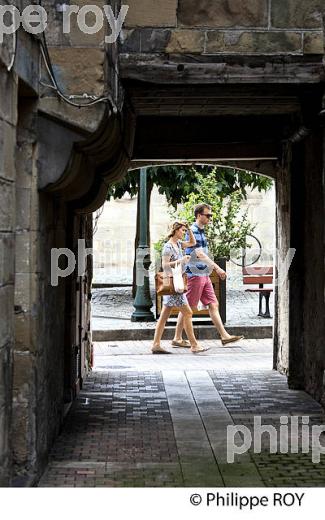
[[34, 336], [80, 64], [39, 329], [8, 121], [253, 27]]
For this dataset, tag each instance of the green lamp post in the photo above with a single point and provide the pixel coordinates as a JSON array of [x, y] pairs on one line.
[[143, 302]]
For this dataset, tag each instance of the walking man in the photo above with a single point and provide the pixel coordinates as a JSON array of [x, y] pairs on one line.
[[200, 287]]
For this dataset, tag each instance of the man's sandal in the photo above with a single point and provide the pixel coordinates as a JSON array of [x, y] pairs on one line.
[[181, 344], [232, 339]]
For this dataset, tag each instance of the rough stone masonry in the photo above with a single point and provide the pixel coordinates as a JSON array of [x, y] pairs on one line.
[[253, 27]]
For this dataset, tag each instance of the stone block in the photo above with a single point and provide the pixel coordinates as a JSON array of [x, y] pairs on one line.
[[297, 14], [314, 43], [6, 313], [24, 164], [8, 91], [56, 36], [73, 116], [7, 259], [154, 40], [22, 292], [240, 42], [35, 216], [7, 150], [23, 332], [23, 252], [4, 446], [79, 70], [144, 40], [151, 13], [23, 208], [130, 41], [5, 375], [186, 41], [223, 13], [23, 376], [7, 205], [22, 432], [54, 33], [77, 36]]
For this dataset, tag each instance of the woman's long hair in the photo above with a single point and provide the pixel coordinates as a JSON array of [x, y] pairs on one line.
[[174, 227]]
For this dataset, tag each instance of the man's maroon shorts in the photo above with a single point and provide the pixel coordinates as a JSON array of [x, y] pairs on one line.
[[200, 288]]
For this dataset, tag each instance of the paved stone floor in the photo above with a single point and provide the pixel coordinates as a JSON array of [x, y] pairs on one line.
[[155, 421], [113, 307]]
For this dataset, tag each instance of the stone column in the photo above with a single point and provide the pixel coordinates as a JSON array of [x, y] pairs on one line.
[[143, 302], [281, 310], [306, 277], [313, 275]]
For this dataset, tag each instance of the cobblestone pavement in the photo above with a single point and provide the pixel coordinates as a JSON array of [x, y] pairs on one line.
[[161, 421], [112, 309]]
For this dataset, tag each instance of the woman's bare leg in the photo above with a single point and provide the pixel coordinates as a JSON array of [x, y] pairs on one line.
[[179, 328], [165, 313]]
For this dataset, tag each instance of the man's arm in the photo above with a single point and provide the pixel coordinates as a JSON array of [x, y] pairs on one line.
[[202, 256]]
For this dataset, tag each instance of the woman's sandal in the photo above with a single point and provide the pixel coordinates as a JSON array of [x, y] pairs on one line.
[[181, 344], [198, 349], [159, 350]]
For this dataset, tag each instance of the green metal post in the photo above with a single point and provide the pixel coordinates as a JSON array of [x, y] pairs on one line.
[[143, 302]]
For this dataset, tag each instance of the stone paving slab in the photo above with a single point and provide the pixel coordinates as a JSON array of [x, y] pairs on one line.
[[159, 421]]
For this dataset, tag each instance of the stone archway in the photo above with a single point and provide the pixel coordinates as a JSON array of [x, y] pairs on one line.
[[265, 130]]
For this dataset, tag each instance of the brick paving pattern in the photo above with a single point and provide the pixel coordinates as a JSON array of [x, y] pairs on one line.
[[120, 418], [160, 421], [265, 394]]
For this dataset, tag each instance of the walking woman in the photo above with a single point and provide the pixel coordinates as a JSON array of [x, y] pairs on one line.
[[172, 254]]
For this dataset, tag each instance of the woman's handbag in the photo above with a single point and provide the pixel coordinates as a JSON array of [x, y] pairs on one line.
[[165, 283]]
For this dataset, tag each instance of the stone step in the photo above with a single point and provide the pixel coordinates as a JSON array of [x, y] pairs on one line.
[[201, 331]]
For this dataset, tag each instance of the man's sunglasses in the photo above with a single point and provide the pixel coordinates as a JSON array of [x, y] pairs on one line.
[[208, 215]]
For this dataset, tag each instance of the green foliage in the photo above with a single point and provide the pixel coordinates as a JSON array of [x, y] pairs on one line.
[[158, 246], [229, 226], [223, 188], [177, 183]]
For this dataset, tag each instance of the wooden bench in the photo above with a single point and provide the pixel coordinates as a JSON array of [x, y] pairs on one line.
[[260, 276]]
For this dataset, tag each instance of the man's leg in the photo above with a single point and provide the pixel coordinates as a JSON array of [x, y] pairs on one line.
[[217, 321], [208, 297]]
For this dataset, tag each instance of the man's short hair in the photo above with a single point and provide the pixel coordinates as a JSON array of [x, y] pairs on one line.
[[199, 209]]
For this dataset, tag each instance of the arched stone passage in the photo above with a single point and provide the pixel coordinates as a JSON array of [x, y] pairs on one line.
[[262, 132], [194, 80]]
